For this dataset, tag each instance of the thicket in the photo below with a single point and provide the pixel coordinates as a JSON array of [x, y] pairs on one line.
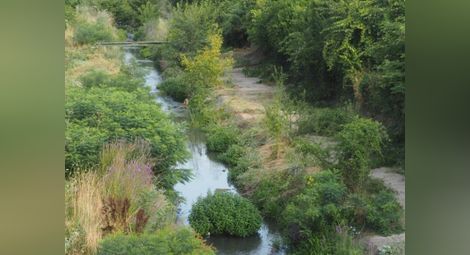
[[339, 50], [99, 115], [225, 213]]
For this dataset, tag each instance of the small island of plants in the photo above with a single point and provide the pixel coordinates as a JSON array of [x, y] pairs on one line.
[[224, 213]]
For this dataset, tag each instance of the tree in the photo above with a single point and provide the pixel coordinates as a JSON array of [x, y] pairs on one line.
[[359, 141]]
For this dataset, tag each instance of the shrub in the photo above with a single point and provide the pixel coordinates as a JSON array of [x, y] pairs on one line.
[[190, 26], [359, 141], [203, 72], [271, 190], [317, 209], [98, 78], [220, 138], [232, 156], [384, 213], [249, 159], [101, 115], [166, 241], [89, 33], [206, 68], [324, 121], [175, 87], [316, 245], [225, 213], [267, 195], [377, 210], [276, 119], [307, 153], [94, 78]]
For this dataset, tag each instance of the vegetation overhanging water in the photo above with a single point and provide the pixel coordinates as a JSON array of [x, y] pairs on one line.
[[208, 174]]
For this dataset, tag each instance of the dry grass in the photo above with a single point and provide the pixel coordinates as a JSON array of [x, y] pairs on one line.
[[82, 59], [269, 158], [107, 60], [118, 196], [68, 36], [86, 202]]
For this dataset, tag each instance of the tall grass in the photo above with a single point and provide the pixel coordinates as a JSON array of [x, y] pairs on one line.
[[118, 196], [84, 214]]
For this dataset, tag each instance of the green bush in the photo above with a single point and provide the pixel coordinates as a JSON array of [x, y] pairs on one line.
[[175, 87], [377, 210], [317, 209], [232, 156], [267, 195], [101, 115], [225, 213], [324, 121], [166, 241], [123, 80], [359, 141], [190, 26], [307, 153], [384, 213], [220, 138], [247, 159], [94, 78], [316, 245], [89, 33]]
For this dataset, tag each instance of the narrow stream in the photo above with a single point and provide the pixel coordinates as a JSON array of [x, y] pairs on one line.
[[208, 174]]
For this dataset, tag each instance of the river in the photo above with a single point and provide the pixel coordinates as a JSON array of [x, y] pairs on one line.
[[208, 173]]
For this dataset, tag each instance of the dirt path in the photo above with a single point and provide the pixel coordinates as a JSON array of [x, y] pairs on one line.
[[247, 97]]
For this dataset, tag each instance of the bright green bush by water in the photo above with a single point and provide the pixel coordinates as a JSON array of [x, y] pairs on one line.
[[224, 213]]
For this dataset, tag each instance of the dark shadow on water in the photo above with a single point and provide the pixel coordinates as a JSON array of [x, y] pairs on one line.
[[235, 245]]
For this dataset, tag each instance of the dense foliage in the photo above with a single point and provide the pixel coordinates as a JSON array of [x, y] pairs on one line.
[[225, 213], [359, 141], [101, 115], [317, 208], [166, 241], [337, 50], [220, 138], [342, 68]]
